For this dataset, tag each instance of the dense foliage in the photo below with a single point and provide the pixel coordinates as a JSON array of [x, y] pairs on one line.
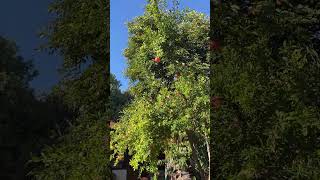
[[80, 34], [25, 120], [15, 126], [81, 149], [264, 74], [267, 72], [168, 66]]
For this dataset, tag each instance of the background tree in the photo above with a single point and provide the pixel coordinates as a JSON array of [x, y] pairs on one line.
[[15, 117], [79, 152], [26, 120], [118, 99], [267, 72], [168, 67], [80, 34]]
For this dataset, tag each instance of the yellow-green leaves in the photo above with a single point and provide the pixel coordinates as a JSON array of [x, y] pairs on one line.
[[166, 104]]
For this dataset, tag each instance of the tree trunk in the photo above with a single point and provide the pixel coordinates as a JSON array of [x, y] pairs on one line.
[[209, 156], [204, 175]]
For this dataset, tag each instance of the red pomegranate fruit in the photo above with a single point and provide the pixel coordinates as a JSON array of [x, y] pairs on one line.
[[157, 59]]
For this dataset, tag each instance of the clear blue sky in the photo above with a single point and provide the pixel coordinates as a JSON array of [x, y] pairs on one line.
[[21, 20], [123, 11]]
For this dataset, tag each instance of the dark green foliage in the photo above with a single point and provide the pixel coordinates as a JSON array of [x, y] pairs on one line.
[[80, 153], [25, 121], [15, 71], [80, 31], [268, 74], [80, 34], [16, 102]]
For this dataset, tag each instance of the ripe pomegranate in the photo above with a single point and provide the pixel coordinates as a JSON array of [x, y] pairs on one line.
[[157, 59]]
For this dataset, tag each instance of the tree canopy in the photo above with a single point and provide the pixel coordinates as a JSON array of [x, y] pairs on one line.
[[17, 113], [80, 34], [168, 66], [267, 73], [233, 97]]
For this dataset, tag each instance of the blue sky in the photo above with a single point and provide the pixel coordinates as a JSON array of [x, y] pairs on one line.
[[123, 11], [21, 24]]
